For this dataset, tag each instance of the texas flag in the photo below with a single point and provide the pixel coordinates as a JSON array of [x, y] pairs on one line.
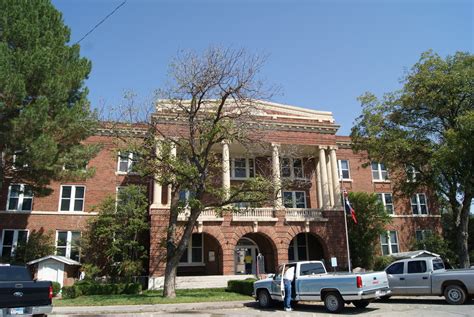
[[348, 208]]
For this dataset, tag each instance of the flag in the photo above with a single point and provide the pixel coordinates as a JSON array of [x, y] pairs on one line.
[[348, 208]]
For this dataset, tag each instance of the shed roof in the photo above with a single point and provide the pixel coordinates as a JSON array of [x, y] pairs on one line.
[[58, 258], [414, 254]]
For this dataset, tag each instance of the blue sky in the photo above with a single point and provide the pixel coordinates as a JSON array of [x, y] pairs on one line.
[[323, 54]]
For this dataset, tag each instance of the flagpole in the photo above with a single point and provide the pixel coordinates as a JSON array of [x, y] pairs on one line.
[[347, 233]]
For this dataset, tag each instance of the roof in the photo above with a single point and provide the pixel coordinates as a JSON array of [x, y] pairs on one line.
[[58, 258], [414, 254]]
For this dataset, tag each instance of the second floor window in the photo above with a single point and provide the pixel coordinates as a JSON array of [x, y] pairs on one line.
[[292, 167], [126, 161], [294, 199], [389, 242], [418, 204], [387, 201], [413, 174], [20, 197], [343, 169], [241, 168], [11, 238], [422, 234], [72, 198], [379, 172], [67, 244]]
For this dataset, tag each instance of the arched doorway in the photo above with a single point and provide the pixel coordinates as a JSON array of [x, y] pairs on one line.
[[305, 246], [251, 245], [245, 256]]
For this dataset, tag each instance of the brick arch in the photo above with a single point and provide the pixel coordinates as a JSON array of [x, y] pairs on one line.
[[322, 242]]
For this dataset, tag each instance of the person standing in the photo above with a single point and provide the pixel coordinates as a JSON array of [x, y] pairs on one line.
[[288, 278]]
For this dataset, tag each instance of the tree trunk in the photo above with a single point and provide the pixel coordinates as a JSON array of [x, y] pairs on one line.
[[169, 288], [462, 229]]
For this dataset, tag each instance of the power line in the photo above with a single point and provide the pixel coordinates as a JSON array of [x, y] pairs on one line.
[[102, 21]]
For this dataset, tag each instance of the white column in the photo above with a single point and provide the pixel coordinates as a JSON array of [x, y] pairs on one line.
[[157, 190], [170, 188], [278, 203], [330, 181], [320, 188], [225, 169], [335, 177], [324, 177]]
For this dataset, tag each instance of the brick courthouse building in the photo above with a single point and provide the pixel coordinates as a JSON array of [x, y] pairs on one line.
[[304, 222]]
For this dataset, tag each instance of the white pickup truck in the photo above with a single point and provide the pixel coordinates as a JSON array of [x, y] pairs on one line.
[[313, 283]]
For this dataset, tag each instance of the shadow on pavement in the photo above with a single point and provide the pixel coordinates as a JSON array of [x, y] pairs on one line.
[[312, 308], [414, 300]]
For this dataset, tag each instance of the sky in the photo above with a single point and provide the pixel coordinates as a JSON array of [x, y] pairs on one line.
[[322, 54]]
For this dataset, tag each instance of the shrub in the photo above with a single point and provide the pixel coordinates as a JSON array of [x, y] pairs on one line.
[[381, 262], [241, 286], [89, 287], [71, 292], [56, 288]]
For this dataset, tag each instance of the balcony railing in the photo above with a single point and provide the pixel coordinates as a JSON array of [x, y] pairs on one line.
[[300, 214], [254, 214], [206, 215]]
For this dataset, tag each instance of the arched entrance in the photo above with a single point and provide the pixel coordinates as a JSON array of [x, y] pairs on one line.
[[203, 256], [245, 256], [305, 246]]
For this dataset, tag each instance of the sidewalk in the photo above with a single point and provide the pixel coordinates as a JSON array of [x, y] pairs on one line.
[[140, 310]]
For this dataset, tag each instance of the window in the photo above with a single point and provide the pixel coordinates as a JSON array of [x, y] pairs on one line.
[[387, 201], [291, 168], [17, 161], [312, 269], [413, 174], [396, 268], [389, 242], [294, 199], [11, 238], [417, 266], [298, 250], [422, 234], [194, 252], [72, 198], [67, 244], [343, 169], [379, 172], [20, 197], [418, 204], [126, 162], [438, 264], [242, 168]]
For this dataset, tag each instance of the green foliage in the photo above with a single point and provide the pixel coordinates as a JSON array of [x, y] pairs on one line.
[[381, 262], [364, 236], [89, 287], [56, 288], [437, 244], [91, 271], [120, 232], [39, 244], [241, 286], [44, 112], [428, 125], [69, 292]]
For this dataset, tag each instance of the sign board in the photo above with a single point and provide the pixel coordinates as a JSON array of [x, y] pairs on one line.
[[334, 262], [212, 256]]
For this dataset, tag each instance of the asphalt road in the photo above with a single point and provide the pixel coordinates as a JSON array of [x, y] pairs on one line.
[[419, 307]]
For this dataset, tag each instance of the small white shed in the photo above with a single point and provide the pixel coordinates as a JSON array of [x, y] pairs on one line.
[[55, 268]]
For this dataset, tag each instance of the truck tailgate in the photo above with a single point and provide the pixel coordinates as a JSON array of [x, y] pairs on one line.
[[374, 281], [24, 294]]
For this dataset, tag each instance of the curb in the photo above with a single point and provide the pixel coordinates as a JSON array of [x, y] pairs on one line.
[[139, 310]]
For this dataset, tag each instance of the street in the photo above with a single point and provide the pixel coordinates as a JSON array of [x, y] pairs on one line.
[[428, 306]]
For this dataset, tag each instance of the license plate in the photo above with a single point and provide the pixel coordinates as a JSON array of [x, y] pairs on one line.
[[17, 311], [379, 293]]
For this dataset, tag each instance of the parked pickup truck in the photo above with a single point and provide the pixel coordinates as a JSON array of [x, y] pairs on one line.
[[313, 283], [21, 296], [428, 276]]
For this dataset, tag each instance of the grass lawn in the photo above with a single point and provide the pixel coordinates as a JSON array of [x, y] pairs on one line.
[[154, 297]]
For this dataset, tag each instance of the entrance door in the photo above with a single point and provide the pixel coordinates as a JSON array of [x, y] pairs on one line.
[[245, 257]]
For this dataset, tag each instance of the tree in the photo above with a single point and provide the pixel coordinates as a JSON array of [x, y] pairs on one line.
[[119, 232], [437, 244], [38, 245], [364, 236], [427, 127], [44, 112]]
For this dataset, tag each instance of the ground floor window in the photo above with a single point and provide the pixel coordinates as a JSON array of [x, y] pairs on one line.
[[11, 238], [67, 244], [389, 242], [193, 255], [298, 250]]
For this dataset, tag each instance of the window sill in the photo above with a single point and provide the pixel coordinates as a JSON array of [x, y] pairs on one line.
[[240, 178], [349, 180], [382, 181], [191, 264], [125, 173], [18, 211]]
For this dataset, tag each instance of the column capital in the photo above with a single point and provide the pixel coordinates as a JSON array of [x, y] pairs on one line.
[[274, 144], [322, 147], [333, 147], [225, 142]]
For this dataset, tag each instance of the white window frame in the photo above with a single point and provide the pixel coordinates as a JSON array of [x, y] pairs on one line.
[[68, 242], [72, 199], [390, 243], [293, 198], [339, 170], [131, 158], [411, 170], [418, 205], [384, 202], [14, 244], [292, 167], [379, 172], [21, 198], [14, 165], [189, 250], [424, 234], [247, 167]]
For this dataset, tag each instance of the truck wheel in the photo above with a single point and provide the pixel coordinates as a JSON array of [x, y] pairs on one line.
[[361, 303], [455, 294], [333, 302], [264, 299]]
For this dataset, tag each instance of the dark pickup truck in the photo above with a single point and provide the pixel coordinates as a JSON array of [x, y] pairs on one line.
[[21, 296]]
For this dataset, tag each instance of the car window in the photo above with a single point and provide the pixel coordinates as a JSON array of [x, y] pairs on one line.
[[438, 264], [311, 269], [416, 266], [395, 268], [11, 274]]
